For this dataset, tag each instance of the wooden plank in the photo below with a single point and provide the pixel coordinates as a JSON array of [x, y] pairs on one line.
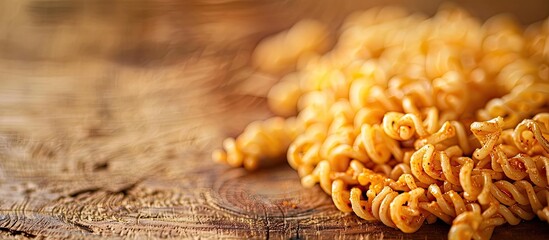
[[108, 114]]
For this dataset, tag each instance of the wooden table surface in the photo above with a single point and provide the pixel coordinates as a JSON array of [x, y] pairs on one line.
[[109, 111]]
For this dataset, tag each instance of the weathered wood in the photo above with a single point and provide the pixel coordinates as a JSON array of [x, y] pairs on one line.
[[108, 113]]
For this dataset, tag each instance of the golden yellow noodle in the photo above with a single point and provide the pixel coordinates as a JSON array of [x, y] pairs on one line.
[[410, 119]]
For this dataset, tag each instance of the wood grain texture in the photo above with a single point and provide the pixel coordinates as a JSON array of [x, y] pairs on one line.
[[109, 111]]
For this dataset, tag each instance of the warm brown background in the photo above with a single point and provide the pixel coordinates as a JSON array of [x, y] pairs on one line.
[[109, 110]]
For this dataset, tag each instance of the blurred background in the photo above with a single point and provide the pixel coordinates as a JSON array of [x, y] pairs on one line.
[[160, 32], [88, 68]]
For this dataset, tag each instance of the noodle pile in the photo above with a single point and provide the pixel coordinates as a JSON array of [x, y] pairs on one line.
[[410, 119]]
